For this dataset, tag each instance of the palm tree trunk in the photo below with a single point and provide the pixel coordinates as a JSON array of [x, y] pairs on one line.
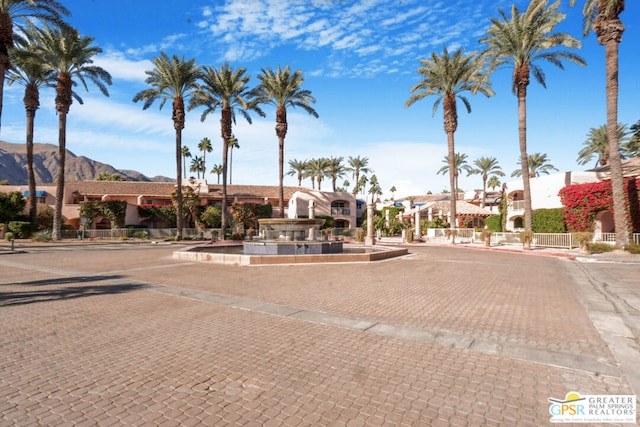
[[33, 211], [452, 183], [4, 66], [617, 180], [179, 213], [484, 190], [524, 162], [450, 125], [56, 233], [231, 165], [225, 124], [281, 176]]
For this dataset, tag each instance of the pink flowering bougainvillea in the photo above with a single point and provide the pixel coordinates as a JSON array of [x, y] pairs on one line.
[[582, 202]]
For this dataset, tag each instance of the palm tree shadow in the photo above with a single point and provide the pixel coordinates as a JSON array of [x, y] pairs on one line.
[[15, 298]]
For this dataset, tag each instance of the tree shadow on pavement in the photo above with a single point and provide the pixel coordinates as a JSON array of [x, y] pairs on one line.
[[14, 298]]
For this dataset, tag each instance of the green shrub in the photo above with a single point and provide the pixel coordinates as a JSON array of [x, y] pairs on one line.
[[600, 247], [21, 229], [212, 216], [8, 236], [264, 211], [633, 248], [42, 236], [494, 223], [548, 221], [328, 221], [141, 234]]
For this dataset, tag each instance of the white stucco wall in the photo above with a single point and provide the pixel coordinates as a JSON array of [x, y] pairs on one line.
[[545, 189]]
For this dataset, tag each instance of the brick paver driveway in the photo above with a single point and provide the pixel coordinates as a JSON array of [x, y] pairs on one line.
[[123, 334]]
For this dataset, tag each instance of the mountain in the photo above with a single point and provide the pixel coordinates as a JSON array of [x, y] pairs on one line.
[[13, 166]]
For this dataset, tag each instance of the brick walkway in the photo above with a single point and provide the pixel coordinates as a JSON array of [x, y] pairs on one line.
[[125, 335]]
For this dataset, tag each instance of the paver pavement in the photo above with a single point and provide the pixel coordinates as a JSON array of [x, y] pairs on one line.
[[125, 335]]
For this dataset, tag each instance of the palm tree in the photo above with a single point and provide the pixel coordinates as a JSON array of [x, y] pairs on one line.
[[29, 71], [335, 170], [18, 15], [68, 56], [233, 143], [197, 166], [282, 89], [298, 168], [447, 77], [185, 153], [485, 166], [205, 146], [172, 79], [603, 16], [319, 169], [393, 192], [524, 39], [217, 169], [374, 188], [598, 143], [225, 89], [361, 186], [538, 164], [358, 165], [459, 163], [493, 182]]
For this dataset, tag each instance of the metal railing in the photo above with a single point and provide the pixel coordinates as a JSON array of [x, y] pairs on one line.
[[341, 211]]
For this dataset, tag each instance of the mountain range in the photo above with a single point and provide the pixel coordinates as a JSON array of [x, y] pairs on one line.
[[13, 166]]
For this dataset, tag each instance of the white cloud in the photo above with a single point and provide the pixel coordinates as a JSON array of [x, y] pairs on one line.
[[123, 68]]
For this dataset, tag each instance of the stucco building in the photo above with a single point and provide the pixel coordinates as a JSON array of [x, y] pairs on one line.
[[342, 206]]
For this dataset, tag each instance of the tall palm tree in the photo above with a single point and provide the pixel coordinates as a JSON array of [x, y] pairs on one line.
[[362, 184], [186, 153], [69, 57], [374, 188], [459, 164], [523, 39], [448, 77], [318, 168], [172, 79], [597, 143], [282, 89], [197, 166], [358, 165], [335, 170], [538, 165], [29, 71], [603, 16], [493, 182], [225, 89], [485, 166], [233, 143], [298, 168], [18, 14], [217, 169], [205, 146]]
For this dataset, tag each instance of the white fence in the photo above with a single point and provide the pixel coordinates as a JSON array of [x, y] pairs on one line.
[[540, 240]]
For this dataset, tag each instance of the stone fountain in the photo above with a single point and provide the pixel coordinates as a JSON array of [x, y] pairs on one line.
[[291, 236]]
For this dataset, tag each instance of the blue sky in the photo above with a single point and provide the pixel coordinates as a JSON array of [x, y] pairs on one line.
[[359, 58]]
